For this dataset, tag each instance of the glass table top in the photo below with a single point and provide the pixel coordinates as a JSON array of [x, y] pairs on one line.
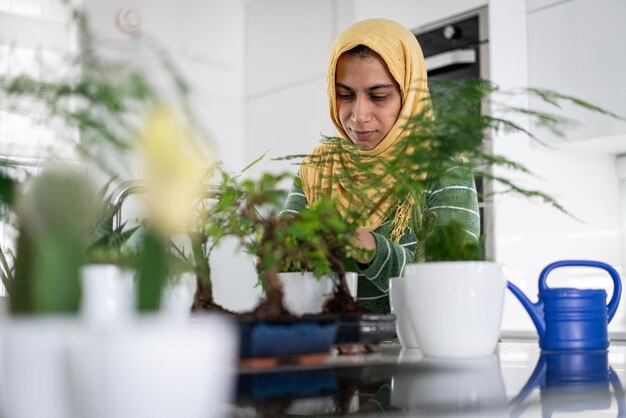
[[517, 381]]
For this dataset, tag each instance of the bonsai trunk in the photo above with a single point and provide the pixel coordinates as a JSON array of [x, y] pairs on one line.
[[341, 301], [272, 306], [203, 299]]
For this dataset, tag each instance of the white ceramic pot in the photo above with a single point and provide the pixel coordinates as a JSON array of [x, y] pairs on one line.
[[397, 300], [306, 294], [155, 368], [34, 376], [108, 294], [178, 296], [455, 307]]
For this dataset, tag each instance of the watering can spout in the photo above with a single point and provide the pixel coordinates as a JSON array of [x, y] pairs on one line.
[[535, 310]]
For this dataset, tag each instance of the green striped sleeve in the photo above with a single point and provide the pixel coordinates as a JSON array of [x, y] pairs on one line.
[[389, 261], [296, 200], [453, 197]]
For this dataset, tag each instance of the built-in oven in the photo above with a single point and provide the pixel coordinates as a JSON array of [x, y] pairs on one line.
[[457, 49]]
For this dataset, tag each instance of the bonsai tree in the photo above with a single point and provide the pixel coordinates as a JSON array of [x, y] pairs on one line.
[[195, 255], [317, 239], [320, 240]]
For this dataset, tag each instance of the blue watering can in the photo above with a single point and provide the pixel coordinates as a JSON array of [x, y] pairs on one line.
[[572, 319]]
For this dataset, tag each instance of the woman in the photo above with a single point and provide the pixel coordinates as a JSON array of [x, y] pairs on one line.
[[376, 80]]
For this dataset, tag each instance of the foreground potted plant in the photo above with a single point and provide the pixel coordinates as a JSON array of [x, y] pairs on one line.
[[203, 351], [45, 293], [107, 102]]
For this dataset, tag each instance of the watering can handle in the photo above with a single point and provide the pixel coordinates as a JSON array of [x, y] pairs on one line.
[[619, 393], [617, 283]]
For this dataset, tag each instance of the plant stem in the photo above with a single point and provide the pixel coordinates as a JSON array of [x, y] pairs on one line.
[[204, 294]]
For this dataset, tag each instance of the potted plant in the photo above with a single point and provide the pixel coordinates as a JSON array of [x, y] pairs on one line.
[[203, 351], [316, 240], [452, 258], [443, 149], [59, 234], [248, 210], [45, 291]]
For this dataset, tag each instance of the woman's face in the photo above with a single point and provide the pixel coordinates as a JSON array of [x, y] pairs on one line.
[[368, 98]]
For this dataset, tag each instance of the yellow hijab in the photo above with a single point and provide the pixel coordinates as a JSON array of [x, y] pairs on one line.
[[400, 50]]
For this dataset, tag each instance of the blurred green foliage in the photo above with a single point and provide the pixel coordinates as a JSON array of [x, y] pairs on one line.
[[53, 215], [96, 105]]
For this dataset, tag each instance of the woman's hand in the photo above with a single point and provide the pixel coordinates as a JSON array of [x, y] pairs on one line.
[[365, 241]]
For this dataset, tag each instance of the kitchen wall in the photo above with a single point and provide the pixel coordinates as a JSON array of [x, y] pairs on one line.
[[257, 69], [553, 45], [206, 40]]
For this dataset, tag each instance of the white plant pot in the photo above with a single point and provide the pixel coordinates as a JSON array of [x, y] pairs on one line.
[[108, 294], [405, 330], [455, 307], [155, 368], [178, 296], [34, 376], [306, 294]]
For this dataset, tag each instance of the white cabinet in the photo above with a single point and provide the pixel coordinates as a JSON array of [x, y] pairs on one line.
[[574, 47], [533, 5], [577, 48], [287, 43]]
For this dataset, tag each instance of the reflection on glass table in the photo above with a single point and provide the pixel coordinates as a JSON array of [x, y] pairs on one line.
[[569, 382], [517, 381]]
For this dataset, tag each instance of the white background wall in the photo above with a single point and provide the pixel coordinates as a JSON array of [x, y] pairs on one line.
[[257, 69], [529, 48]]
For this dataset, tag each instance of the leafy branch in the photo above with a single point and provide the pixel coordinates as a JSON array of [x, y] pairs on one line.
[[434, 147]]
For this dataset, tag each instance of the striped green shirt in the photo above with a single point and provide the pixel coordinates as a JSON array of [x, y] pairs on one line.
[[447, 198]]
